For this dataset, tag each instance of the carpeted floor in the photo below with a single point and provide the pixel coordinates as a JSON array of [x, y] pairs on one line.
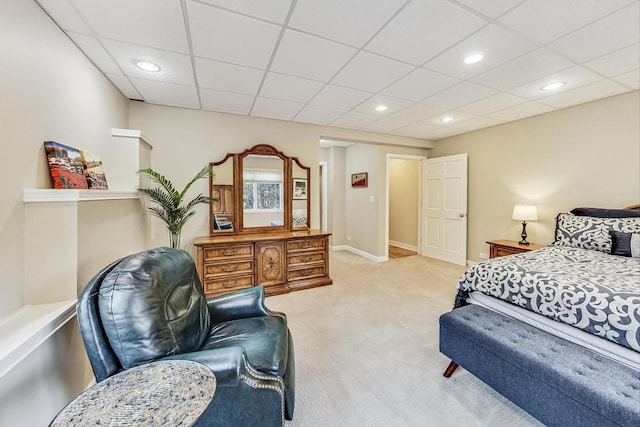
[[367, 350]]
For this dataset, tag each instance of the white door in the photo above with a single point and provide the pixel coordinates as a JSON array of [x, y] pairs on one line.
[[444, 208]]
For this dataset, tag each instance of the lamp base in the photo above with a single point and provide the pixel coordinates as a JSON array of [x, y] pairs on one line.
[[524, 234]]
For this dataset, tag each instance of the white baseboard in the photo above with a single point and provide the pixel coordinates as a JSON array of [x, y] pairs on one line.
[[359, 252], [403, 246]]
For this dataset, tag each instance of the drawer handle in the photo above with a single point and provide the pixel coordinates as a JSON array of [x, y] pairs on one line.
[[230, 284], [305, 259], [226, 252], [305, 273], [306, 245], [229, 269]]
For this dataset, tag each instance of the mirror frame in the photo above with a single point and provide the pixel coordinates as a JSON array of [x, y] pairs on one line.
[[287, 192]]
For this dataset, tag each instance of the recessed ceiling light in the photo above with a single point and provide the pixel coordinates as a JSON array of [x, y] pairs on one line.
[[381, 108], [473, 58], [148, 66], [447, 119], [553, 86]]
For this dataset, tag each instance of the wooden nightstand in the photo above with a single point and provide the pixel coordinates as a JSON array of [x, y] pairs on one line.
[[509, 247]]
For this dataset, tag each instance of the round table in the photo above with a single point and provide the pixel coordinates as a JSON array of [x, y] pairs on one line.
[[162, 393]]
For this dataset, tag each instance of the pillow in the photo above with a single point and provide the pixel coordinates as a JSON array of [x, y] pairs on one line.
[[588, 232], [152, 305], [606, 213], [625, 244]]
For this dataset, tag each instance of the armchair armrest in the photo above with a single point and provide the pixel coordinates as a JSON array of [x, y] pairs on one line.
[[226, 363], [241, 304]]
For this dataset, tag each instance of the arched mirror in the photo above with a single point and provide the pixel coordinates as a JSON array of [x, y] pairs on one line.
[[259, 190]]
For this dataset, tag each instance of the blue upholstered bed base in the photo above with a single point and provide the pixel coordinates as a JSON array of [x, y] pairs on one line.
[[558, 382]]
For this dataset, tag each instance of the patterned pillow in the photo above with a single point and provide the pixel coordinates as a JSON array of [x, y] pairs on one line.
[[589, 232]]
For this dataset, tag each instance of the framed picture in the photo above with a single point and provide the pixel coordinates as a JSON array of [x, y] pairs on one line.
[[359, 179], [299, 189]]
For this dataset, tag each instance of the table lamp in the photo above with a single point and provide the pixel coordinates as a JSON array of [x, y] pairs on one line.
[[524, 213]]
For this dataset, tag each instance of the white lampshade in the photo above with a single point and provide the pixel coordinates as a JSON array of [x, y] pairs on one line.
[[525, 213]]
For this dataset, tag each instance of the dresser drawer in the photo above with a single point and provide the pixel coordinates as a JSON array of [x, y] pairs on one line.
[[307, 273], [227, 283], [227, 251], [305, 245], [212, 269], [301, 259]]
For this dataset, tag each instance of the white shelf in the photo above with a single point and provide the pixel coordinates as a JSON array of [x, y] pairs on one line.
[[26, 329], [36, 195]]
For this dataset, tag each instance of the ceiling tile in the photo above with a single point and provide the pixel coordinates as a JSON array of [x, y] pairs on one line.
[[153, 23], [574, 77], [493, 8], [289, 88], [341, 20], [414, 129], [496, 44], [417, 112], [423, 29], [228, 77], [531, 66], [354, 120], [420, 84], [521, 111], [174, 67], [441, 133], [339, 97], [275, 108], [496, 102], [386, 124], [618, 62], [477, 123], [608, 34], [459, 116], [229, 37], [631, 79], [65, 16], [124, 86], [371, 72], [156, 92], [318, 115], [90, 46], [461, 94], [225, 101], [393, 105], [311, 57], [597, 90], [547, 20], [272, 10]]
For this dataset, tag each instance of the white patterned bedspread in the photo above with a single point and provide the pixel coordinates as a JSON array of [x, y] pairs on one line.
[[590, 290]]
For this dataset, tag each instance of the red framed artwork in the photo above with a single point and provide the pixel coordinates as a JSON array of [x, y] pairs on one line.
[[360, 179]]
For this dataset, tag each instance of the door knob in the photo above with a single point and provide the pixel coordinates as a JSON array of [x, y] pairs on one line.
[[461, 215]]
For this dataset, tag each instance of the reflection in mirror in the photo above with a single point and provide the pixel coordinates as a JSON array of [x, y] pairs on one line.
[[299, 201], [223, 209], [262, 191]]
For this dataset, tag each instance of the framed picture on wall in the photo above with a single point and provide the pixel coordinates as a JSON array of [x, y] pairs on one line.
[[299, 189], [359, 179]]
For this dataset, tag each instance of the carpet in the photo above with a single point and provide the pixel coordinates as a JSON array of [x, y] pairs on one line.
[[398, 252], [367, 350]]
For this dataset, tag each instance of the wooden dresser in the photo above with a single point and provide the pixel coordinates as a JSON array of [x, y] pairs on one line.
[[281, 261]]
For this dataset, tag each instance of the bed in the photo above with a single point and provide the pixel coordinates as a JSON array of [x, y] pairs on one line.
[[557, 330]]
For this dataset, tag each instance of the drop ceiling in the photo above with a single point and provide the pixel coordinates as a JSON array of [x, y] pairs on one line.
[[332, 62]]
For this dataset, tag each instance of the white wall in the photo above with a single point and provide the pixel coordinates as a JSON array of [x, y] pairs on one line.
[[587, 155], [50, 91]]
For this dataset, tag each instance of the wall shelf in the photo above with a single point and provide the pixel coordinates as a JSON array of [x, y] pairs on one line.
[[37, 195], [27, 328]]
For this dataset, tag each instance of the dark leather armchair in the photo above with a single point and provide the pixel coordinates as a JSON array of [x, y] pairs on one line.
[[150, 306]]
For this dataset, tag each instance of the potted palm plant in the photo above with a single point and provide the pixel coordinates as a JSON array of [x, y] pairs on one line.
[[168, 201]]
